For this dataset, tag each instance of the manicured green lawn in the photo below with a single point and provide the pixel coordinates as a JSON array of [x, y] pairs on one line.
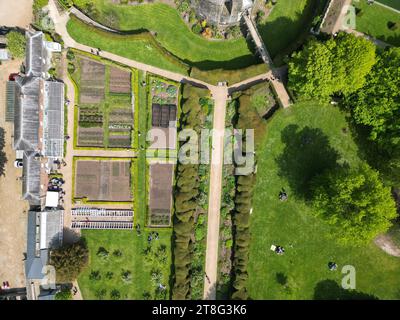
[[288, 158], [129, 46], [175, 36], [286, 23], [374, 21], [132, 259], [391, 3]]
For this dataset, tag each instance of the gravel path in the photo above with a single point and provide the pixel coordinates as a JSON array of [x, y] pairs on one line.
[[13, 210]]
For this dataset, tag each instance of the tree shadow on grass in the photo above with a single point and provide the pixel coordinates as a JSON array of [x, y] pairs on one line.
[[330, 290], [307, 153]]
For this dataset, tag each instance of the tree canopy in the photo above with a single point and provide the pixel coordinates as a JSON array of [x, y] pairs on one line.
[[336, 66], [69, 260], [355, 203], [377, 103], [16, 44]]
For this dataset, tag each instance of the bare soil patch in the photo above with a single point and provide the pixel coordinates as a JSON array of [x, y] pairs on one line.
[[16, 13], [120, 80], [386, 244], [103, 180], [92, 81], [160, 201], [13, 210]]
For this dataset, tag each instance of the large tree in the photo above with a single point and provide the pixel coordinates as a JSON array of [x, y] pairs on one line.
[[377, 103], [355, 203], [338, 65], [69, 260], [376, 106], [16, 44]]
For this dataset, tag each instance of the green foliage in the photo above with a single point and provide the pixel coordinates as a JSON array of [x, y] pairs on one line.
[[376, 104], [126, 276], [186, 204], [117, 253], [197, 28], [355, 203], [95, 276], [71, 68], [101, 294], [247, 117], [70, 55], [156, 277], [16, 44], [155, 258], [376, 107], [102, 253], [115, 295], [229, 243], [64, 294], [69, 260], [336, 66], [66, 3], [39, 4], [200, 233]]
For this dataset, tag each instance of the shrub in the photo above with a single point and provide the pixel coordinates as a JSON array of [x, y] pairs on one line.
[[100, 294], [70, 55], [95, 275], [392, 25], [126, 276], [196, 28], [156, 277], [146, 295], [228, 243], [16, 44], [109, 275], [71, 68], [115, 294], [64, 294], [200, 233], [117, 253], [102, 253]]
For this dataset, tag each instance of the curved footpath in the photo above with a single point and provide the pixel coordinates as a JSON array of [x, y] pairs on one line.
[[220, 97]]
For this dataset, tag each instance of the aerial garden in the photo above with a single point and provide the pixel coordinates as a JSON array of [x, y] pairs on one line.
[[150, 36]]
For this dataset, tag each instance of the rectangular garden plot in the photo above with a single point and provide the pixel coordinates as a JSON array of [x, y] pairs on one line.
[[121, 116], [160, 201], [90, 137], [120, 80], [91, 81], [119, 138], [163, 115], [103, 180]]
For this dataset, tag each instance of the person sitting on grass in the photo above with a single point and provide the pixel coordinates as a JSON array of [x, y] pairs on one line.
[[283, 195], [279, 250]]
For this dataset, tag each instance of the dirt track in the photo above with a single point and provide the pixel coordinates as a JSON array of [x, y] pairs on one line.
[[13, 215]]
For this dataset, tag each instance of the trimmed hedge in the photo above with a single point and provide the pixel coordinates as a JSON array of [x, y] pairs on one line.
[[187, 192]]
